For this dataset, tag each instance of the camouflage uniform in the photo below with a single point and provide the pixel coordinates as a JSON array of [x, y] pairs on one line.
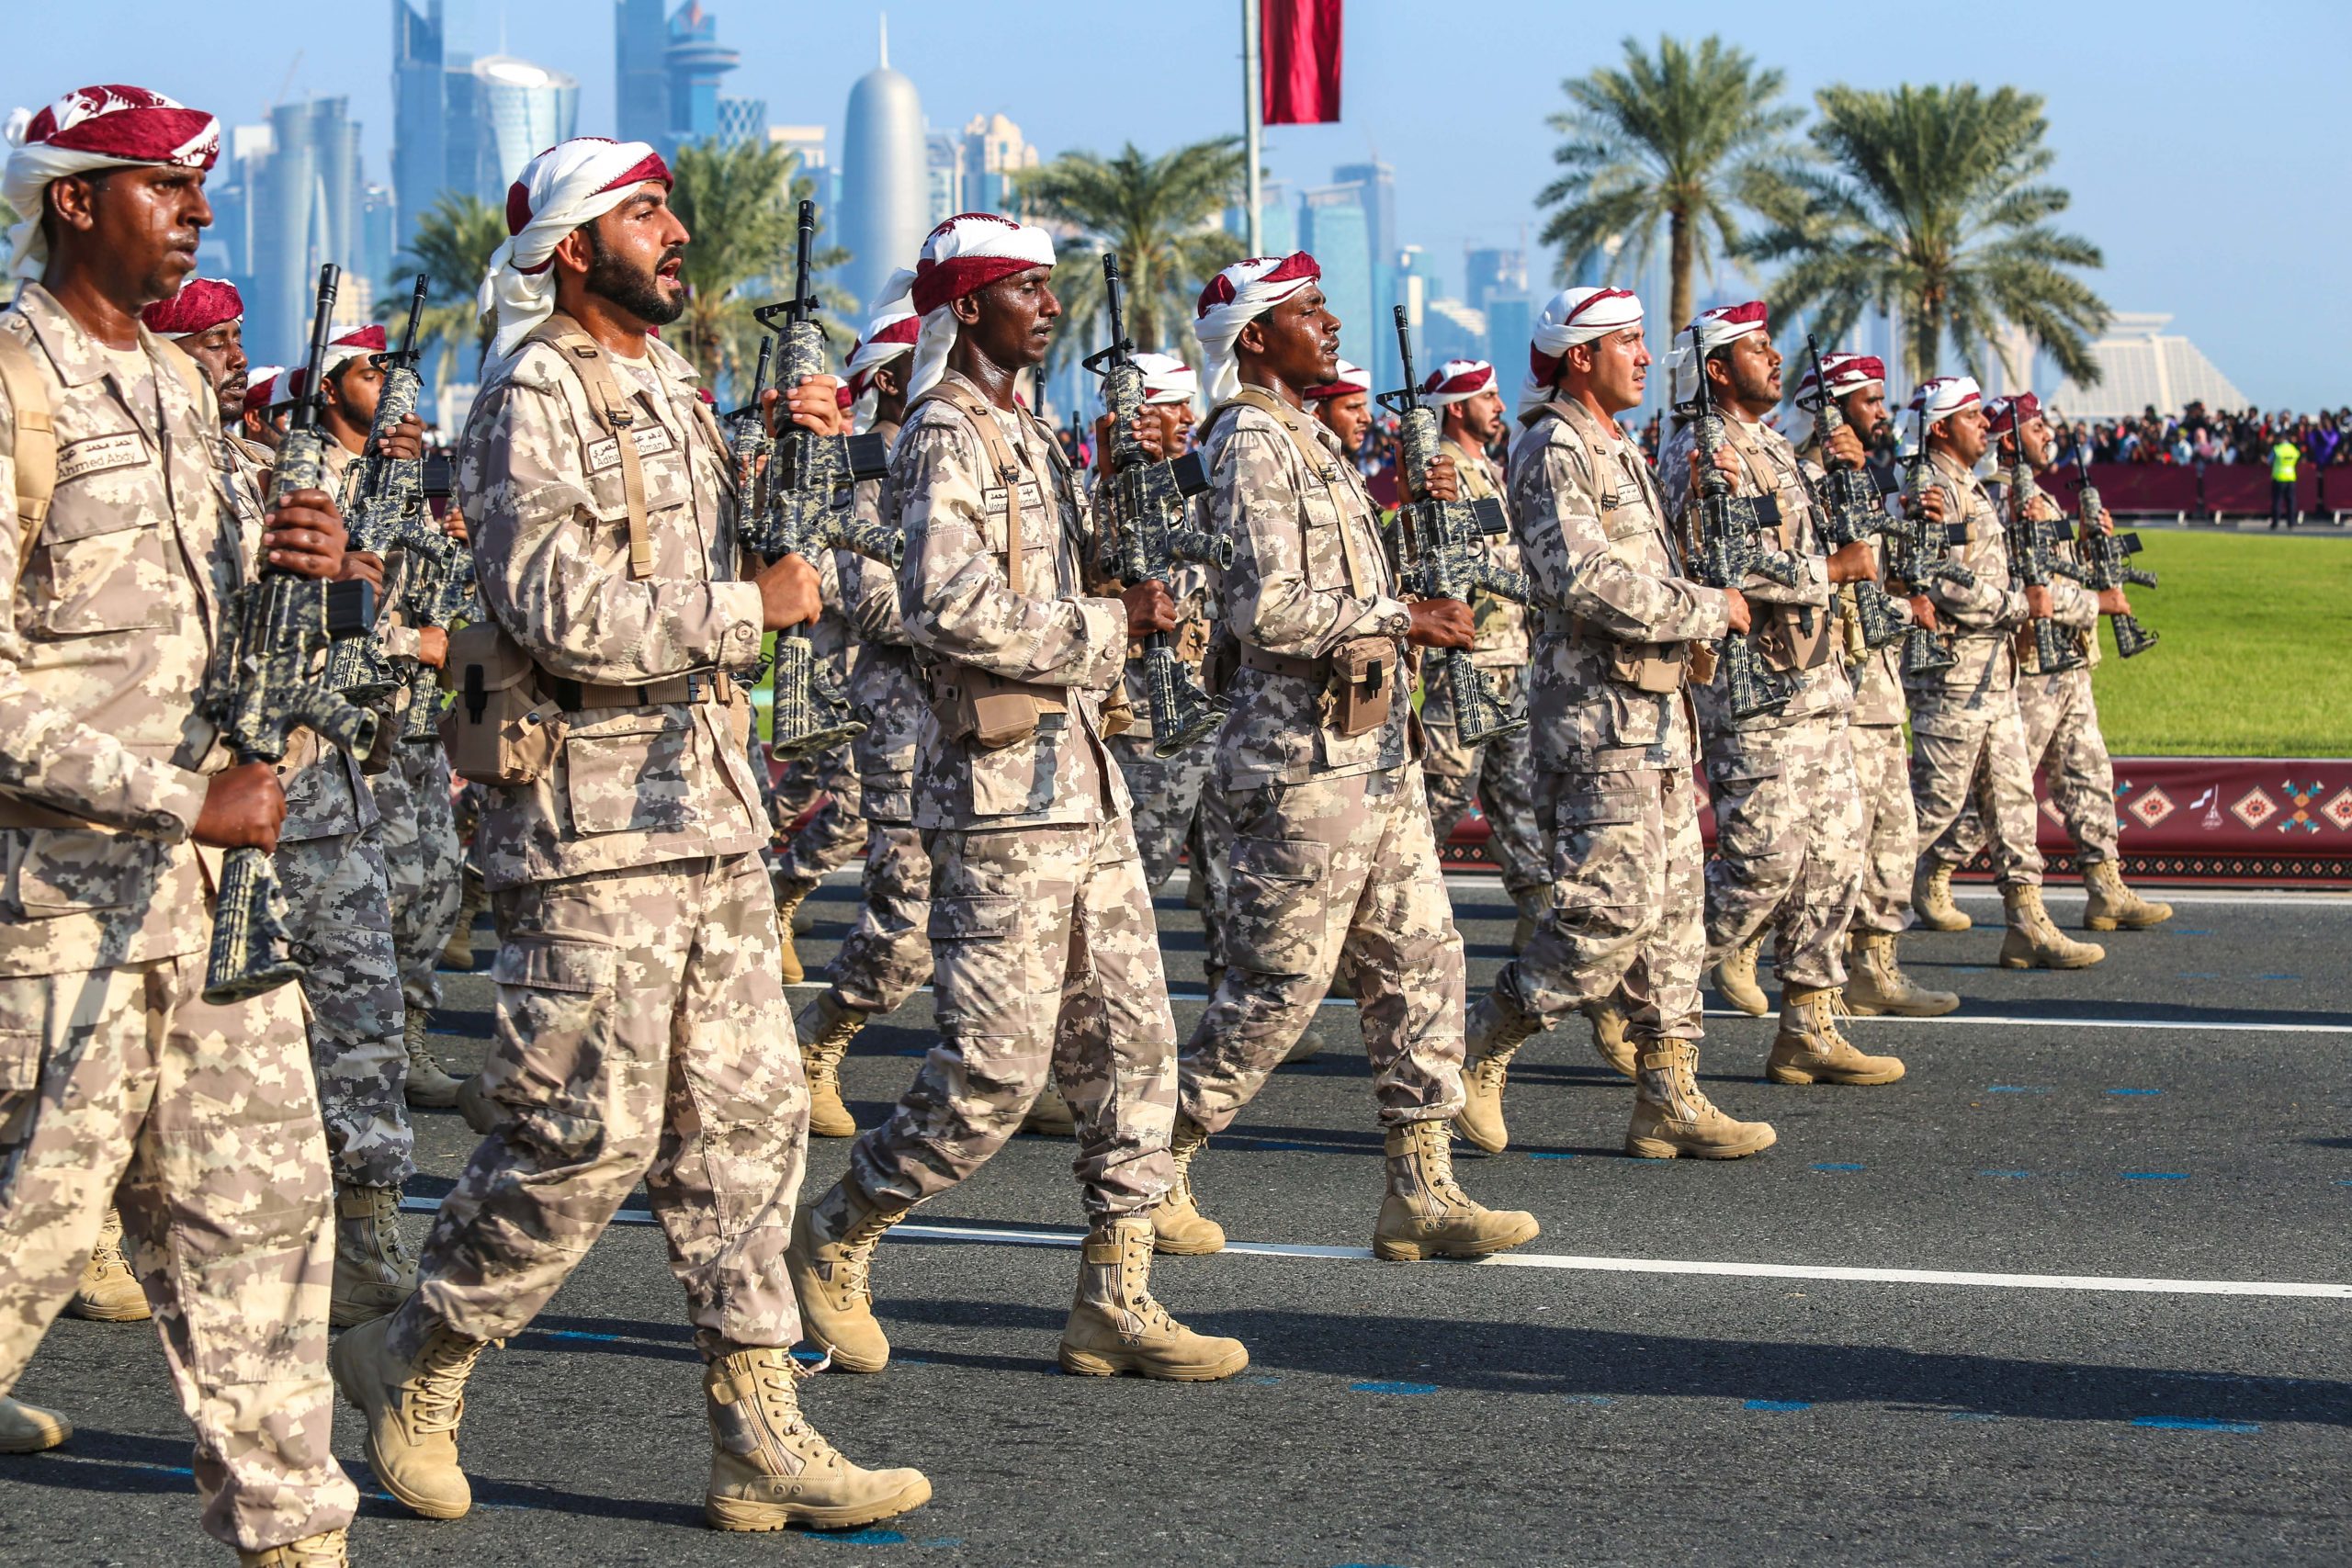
[[1498, 775], [1333, 860], [116, 1079], [1043, 947], [832, 838], [1966, 734], [1890, 834], [641, 1031], [1166, 790], [1788, 806], [1612, 761]]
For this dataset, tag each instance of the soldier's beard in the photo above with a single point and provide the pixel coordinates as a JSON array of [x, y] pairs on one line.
[[635, 289]]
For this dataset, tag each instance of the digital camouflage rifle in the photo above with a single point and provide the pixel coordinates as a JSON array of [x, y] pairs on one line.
[[385, 498], [1921, 554], [1441, 553], [809, 506], [262, 687], [1725, 550], [1849, 505], [1148, 533], [2029, 558], [2103, 554]]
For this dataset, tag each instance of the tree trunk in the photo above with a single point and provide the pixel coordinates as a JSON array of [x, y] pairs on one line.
[[1679, 267]]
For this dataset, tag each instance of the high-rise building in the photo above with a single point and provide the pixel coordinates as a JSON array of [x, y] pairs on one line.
[[305, 212], [886, 180], [433, 106], [1510, 323], [806, 144], [1376, 187], [1486, 270], [994, 156], [519, 110], [942, 175], [640, 74], [1333, 224], [696, 60]]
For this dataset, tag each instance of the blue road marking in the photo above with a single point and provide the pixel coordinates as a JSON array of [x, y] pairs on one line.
[[1832, 1166], [1973, 1416], [2011, 1175], [2278, 977], [859, 1538], [2195, 1423], [1778, 1407], [2017, 1089], [2156, 1175], [1597, 1399], [1550, 1156], [2200, 974], [1392, 1388], [2135, 1091], [593, 1338], [2192, 931]]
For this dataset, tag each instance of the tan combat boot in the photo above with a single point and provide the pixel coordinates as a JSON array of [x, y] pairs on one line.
[[1810, 1048], [1531, 904], [108, 1291], [1735, 978], [825, 1028], [791, 894], [831, 1264], [1178, 1227], [1671, 1117], [2034, 941], [1931, 899], [457, 953], [1609, 1037], [1305, 1048], [328, 1549], [1425, 1215], [769, 1467], [1876, 984], [1050, 1115], [1494, 1034], [411, 1410], [2114, 906], [373, 1271], [429, 1087], [30, 1429], [1115, 1325]]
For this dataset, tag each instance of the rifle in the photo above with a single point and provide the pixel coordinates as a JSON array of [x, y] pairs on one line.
[[809, 506], [2030, 561], [1143, 503], [1443, 553], [749, 445], [387, 493], [2103, 556], [1921, 554], [1724, 550], [1850, 508], [260, 689]]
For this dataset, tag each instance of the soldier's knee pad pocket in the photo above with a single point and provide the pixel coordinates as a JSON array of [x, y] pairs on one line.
[[1277, 890], [19, 1078], [980, 960], [557, 995]]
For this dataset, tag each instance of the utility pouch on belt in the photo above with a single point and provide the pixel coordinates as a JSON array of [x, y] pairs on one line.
[[988, 710], [502, 730], [1361, 686], [1796, 636], [1656, 667]]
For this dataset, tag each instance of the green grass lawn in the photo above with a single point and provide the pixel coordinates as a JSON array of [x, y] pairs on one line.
[[2256, 656]]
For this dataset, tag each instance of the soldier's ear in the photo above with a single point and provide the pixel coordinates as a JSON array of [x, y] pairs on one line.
[[574, 252], [887, 380], [1251, 339]]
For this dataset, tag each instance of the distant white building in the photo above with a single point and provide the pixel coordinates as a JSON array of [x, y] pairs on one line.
[[2142, 365]]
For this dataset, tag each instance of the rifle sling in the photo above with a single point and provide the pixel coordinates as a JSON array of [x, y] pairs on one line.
[[1318, 461], [976, 411], [615, 414]]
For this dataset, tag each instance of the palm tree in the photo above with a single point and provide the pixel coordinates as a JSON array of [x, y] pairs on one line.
[[1932, 205], [1159, 215], [1683, 139], [742, 205], [452, 247]]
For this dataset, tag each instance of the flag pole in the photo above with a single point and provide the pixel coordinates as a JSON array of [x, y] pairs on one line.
[[1253, 99]]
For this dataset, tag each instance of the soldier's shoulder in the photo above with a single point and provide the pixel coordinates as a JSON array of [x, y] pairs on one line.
[[537, 367]]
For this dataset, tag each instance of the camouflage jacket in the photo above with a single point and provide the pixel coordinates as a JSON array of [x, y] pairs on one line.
[[1984, 617], [540, 484], [1593, 528], [1309, 574], [1503, 638], [960, 610], [2072, 606], [883, 689], [115, 614]]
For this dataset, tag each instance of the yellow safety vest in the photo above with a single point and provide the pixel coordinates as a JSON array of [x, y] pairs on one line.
[[2283, 459]]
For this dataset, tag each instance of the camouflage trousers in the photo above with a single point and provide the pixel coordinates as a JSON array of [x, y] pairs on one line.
[[1331, 872], [1166, 792], [2064, 743], [1788, 846], [1043, 956], [123, 1085], [887, 953], [338, 907], [421, 852], [1498, 775], [1212, 855], [835, 835], [1952, 761], [641, 1033], [1628, 903], [1890, 836]]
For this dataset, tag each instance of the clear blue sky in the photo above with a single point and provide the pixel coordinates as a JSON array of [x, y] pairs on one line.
[[2203, 142]]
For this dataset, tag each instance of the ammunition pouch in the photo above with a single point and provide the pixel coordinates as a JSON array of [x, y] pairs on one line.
[[991, 711], [1356, 679], [1654, 667], [502, 730], [1782, 642]]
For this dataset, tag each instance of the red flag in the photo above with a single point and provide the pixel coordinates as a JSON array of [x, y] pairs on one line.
[[1301, 44]]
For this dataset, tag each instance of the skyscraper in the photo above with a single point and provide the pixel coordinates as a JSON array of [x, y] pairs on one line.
[[1488, 270], [640, 75], [429, 106], [1376, 187], [885, 180], [305, 211], [994, 155], [519, 110], [695, 61], [1332, 224]]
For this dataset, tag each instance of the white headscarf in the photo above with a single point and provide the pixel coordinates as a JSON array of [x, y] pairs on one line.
[[1723, 324], [1345, 382], [1572, 316], [1457, 380], [572, 183], [1234, 298], [107, 127], [961, 257]]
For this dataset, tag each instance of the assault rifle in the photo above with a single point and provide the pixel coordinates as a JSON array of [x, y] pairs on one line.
[[1849, 506], [1921, 554], [1443, 553], [2029, 558], [2103, 554], [1143, 503], [811, 506], [262, 688], [1725, 550], [386, 501]]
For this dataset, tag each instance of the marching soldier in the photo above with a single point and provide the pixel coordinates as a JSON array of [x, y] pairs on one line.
[[116, 1078], [837, 831], [1612, 746], [1332, 861], [641, 1032]]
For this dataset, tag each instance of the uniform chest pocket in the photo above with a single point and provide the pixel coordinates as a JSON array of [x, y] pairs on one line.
[[1324, 542], [629, 775], [102, 546], [659, 460]]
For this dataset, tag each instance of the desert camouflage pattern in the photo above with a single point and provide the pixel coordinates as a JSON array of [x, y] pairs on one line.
[[1498, 777], [2064, 745], [886, 955], [834, 834], [1167, 792], [1212, 858], [1505, 635], [642, 1035], [338, 907], [1787, 845], [540, 486], [1890, 833], [424, 862]]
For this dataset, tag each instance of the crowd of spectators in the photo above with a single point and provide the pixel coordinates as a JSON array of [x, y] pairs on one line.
[[2197, 435]]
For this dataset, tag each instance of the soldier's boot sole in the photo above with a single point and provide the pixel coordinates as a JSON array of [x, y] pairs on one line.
[[2097, 920], [747, 1515], [1416, 1240], [1796, 1070], [109, 1306], [28, 1429], [2019, 951], [352, 1362], [1219, 1360], [1650, 1146]]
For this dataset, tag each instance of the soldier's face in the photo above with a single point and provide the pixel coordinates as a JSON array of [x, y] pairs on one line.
[[221, 351], [1866, 411], [1011, 322], [1619, 368], [1349, 417], [1479, 417], [635, 257], [1298, 340], [2036, 432], [1751, 373], [142, 221], [1175, 426], [1964, 433], [356, 389]]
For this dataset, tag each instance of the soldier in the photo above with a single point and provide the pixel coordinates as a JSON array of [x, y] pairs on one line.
[[263, 423], [1875, 981], [832, 837], [1624, 633], [116, 1077], [1497, 775], [1043, 949], [886, 955], [1332, 863], [2062, 735], [641, 1032], [1966, 734], [1788, 808]]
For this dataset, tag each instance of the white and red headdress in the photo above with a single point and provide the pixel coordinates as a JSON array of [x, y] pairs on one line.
[[889, 335], [1570, 317], [1457, 380], [1997, 411], [202, 304], [1350, 379], [107, 126], [261, 387], [961, 257], [1845, 373], [1944, 396], [1167, 379], [353, 346], [572, 183], [1234, 298], [1723, 324]]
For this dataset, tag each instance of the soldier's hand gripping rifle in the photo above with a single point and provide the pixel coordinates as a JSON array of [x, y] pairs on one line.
[[809, 506], [1725, 548], [1441, 553], [267, 682], [2103, 554], [1921, 554], [1849, 506], [2029, 556], [1148, 533]]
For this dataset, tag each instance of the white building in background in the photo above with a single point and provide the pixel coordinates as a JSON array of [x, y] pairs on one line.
[[522, 109], [885, 207], [2142, 365]]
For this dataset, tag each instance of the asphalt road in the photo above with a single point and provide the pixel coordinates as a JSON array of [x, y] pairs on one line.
[[2179, 1114]]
